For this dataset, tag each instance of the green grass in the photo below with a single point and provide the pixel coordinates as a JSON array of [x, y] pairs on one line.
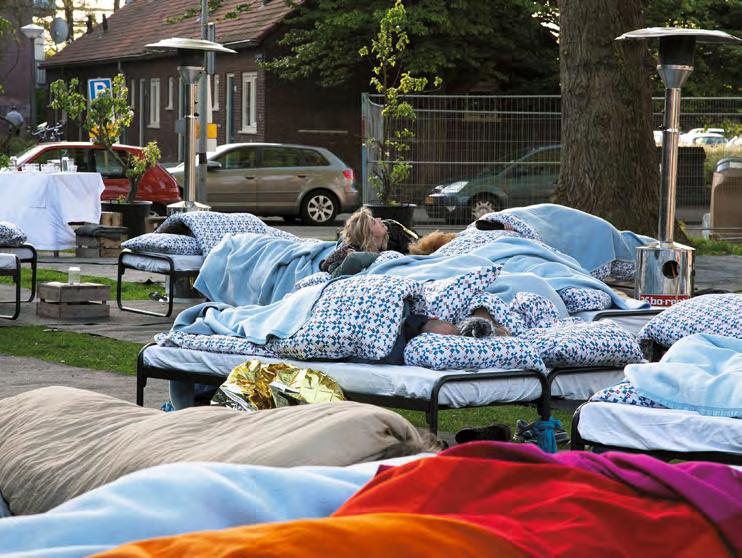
[[129, 291], [73, 349], [715, 247], [455, 419], [102, 353]]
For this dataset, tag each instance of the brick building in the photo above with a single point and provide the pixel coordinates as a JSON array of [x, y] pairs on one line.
[[248, 103]]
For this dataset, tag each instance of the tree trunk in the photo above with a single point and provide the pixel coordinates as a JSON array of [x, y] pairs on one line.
[[609, 164]]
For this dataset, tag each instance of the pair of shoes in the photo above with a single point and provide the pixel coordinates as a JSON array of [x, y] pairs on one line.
[[495, 431], [524, 433]]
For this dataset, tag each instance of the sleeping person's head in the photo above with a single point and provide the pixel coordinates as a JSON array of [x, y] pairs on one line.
[[365, 232], [431, 242]]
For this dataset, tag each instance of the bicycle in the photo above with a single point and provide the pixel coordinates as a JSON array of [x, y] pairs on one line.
[[45, 133]]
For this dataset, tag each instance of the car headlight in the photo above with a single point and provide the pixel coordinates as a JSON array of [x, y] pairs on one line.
[[454, 187]]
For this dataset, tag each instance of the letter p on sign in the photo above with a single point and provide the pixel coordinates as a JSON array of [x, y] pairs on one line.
[[97, 86]]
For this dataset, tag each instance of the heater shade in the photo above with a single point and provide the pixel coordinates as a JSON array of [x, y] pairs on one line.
[[700, 35]]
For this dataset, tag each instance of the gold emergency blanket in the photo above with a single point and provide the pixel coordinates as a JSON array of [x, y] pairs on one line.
[[255, 385]]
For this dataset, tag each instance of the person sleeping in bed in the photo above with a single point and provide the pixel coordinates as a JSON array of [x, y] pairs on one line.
[[479, 324], [364, 237]]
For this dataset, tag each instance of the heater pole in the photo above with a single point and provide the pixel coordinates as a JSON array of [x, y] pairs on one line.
[[669, 174]]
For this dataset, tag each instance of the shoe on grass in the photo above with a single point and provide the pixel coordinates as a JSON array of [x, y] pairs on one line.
[[495, 431]]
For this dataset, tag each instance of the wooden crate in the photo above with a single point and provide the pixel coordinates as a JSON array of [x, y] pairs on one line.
[[62, 300], [92, 247]]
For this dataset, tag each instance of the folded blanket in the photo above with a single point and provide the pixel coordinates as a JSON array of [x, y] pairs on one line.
[[701, 373], [58, 442]]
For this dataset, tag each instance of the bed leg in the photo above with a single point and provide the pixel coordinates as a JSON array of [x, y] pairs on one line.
[[141, 384]]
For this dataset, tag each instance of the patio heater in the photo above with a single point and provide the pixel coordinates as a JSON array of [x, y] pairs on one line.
[[190, 59], [665, 270]]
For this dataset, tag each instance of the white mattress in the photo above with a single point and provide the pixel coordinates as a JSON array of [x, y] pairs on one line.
[[23, 253], [630, 323], [643, 428], [411, 382], [153, 265], [8, 262]]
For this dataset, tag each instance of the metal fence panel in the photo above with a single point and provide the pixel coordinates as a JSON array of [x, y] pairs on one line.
[[474, 154]]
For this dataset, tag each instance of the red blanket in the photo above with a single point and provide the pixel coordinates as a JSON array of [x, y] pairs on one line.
[[469, 506]]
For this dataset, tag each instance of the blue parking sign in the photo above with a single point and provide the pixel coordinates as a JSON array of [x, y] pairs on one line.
[[97, 86]]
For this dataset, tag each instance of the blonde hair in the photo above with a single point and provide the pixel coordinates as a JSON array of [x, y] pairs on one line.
[[431, 242], [357, 231]]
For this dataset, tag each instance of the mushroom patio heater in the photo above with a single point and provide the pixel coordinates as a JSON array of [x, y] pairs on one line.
[[188, 51], [665, 269]]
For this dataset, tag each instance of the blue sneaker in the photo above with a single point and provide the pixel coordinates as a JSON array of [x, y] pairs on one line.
[[167, 407]]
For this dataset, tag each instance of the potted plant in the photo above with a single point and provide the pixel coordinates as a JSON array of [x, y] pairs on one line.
[[107, 116], [392, 83]]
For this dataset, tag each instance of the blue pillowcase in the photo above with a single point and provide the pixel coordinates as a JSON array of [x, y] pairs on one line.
[[443, 352], [164, 243], [718, 314], [601, 343], [448, 299], [359, 316], [11, 235]]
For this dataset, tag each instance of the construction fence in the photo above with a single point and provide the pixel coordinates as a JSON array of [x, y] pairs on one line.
[[474, 154]]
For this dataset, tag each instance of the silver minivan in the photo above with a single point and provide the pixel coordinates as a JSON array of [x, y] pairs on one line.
[[278, 179]]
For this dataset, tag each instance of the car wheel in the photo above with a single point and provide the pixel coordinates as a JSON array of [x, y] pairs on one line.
[[319, 208], [484, 205]]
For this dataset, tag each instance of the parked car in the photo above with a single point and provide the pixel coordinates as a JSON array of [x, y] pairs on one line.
[[156, 185], [691, 136], [708, 139], [530, 179], [278, 179]]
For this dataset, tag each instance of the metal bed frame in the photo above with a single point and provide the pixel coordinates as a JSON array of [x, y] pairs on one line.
[[16, 275], [431, 407], [33, 261], [171, 274], [579, 443]]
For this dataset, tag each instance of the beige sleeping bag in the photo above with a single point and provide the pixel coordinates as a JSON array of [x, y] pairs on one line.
[[59, 442]]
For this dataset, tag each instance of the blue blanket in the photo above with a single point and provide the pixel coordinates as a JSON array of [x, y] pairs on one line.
[[527, 265], [181, 498], [590, 240], [701, 373], [253, 322], [258, 269]]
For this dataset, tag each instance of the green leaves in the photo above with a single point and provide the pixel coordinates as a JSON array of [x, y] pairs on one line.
[[106, 118], [393, 83]]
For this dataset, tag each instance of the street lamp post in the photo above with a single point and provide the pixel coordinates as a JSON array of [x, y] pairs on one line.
[[32, 32]]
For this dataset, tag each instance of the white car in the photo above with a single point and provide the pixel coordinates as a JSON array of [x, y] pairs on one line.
[[707, 139], [690, 137]]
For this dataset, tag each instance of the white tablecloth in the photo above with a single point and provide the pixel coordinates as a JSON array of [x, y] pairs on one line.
[[43, 204]]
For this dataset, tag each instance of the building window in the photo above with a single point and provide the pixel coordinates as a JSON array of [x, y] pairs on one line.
[[170, 88], [154, 103], [132, 93], [249, 124], [215, 93]]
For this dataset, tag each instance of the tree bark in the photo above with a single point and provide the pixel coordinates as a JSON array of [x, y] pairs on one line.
[[609, 163]]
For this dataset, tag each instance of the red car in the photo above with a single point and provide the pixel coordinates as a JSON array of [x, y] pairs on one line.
[[157, 185]]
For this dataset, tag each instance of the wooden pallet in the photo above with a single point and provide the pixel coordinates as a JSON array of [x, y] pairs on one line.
[[65, 301]]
